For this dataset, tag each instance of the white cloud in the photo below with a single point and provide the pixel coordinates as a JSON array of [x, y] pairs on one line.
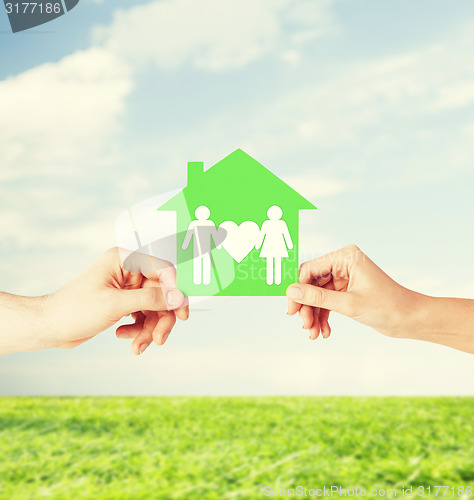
[[313, 185], [366, 115], [213, 35], [22, 230], [455, 94], [56, 117], [357, 117], [469, 130]]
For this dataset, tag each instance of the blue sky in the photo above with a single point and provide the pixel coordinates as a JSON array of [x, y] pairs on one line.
[[366, 108]]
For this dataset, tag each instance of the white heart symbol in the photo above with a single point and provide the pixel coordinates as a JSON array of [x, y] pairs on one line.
[[239, 240]]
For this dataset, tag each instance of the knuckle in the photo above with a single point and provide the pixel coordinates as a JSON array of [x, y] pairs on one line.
[[163, 264], [301, 268], [152, 295], [349, 256], [316, 296], [111, 253], [166, 273], [304, 271], [352, 249]]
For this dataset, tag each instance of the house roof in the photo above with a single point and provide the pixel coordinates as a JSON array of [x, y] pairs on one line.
[[239, 176]]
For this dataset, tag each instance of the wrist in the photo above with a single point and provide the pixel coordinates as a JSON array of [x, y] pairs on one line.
[[429, 320], [447, 321], [411, 313], [47, 312], [37, 313], [419, 320], [24, 323]]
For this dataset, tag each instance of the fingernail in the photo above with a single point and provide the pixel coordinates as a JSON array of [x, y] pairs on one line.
[[142, 348], [174, 298], [122, 335], [294, 292]]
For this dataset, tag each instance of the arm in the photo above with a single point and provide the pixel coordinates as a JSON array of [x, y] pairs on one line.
[[189, 235], [447, 321], [348, 282], [111, 288], [22, 323]]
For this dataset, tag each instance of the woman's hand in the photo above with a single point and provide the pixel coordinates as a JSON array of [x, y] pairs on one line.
[[120, 283], [348, 282]]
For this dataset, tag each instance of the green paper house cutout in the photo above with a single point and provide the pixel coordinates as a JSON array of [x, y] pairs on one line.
[[239, 189]]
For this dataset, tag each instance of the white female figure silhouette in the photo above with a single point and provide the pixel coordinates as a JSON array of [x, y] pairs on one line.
[[276, 239]]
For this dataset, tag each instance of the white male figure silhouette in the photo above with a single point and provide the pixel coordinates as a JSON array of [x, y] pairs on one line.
[[274, 239], [203, 231]]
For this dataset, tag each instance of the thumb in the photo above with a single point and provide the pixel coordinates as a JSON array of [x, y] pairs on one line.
[[341, 302], [150, 299]]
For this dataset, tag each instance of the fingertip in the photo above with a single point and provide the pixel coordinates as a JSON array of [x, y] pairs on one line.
[[306, 315], [314, 333], [138, 350], [121, 332], [326, 330], [293, 307], [164, 328], [323, 321], [182, 313], [139, 347], [315, 329], [162, 338], [294, 292]]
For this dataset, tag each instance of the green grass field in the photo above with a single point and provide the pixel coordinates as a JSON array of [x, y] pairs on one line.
[[220, 448]]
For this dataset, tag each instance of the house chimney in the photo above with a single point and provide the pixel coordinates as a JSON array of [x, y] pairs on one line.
[[195, 170]]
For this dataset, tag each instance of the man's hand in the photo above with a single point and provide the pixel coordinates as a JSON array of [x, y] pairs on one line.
[[348, 282], [142, 286]]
